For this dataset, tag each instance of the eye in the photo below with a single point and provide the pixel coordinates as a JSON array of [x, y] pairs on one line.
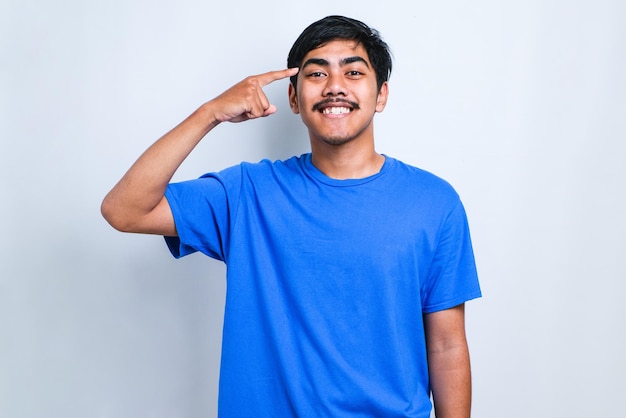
[[354, 74], [316, 74]]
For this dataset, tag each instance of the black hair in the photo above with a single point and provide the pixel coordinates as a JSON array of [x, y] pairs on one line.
[[330, 28]]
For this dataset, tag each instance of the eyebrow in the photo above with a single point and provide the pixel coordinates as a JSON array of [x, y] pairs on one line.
[[324, 63]]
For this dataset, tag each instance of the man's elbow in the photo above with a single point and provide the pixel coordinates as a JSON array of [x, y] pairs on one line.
[[114, 215]]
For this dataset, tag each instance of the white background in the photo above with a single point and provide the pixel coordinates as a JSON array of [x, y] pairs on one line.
[[520, 105]]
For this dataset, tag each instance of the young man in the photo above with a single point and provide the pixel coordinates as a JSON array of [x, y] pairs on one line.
[[347, 270]]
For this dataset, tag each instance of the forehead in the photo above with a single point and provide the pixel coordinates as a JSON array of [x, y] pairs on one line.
[[337, 50]]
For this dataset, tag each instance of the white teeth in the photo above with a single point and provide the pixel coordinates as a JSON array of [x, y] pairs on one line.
[[335, 110]]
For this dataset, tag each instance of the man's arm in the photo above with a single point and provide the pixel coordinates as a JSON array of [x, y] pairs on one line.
[[448, 362], [137, 202]]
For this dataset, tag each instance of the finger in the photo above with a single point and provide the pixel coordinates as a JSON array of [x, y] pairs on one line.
[[270, 110], [259, 104], [271, 76]]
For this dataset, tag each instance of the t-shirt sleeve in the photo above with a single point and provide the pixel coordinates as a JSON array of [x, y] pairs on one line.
[[452, 278], [201, 211]]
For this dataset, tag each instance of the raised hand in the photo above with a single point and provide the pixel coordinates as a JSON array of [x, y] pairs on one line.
[[246, 99]]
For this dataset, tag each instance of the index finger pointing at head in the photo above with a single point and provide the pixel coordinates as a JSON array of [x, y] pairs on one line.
[[271, 76]]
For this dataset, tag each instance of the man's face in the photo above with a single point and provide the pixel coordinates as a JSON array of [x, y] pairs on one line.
[[337, 94]]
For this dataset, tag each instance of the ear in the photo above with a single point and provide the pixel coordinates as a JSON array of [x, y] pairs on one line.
[[293, 99], [381, 100]]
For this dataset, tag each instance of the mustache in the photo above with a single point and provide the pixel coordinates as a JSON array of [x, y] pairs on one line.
[[317, 106]]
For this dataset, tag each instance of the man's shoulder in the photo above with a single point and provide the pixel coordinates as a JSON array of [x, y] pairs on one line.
[[258, 168], [415, 176], [269, 164]]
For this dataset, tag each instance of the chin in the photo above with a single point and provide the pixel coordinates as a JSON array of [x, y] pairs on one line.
[[336, 140]]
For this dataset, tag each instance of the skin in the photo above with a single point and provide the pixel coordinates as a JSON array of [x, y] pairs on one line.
[[337, 75], [449, 362]]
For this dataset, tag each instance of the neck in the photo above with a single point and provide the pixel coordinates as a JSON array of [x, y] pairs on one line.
[[347, 161]]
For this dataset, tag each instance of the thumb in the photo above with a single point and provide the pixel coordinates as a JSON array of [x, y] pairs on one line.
[[270, 110]]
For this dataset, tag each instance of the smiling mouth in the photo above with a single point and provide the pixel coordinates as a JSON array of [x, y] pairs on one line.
[[335, 110], [335, 107]]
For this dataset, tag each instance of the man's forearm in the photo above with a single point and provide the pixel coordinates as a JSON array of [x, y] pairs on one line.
[[451, 382]]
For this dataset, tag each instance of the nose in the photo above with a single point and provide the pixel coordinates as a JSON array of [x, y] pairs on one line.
[[335, 86]]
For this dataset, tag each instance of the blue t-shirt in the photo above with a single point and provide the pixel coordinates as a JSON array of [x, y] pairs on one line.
[[327, 282]]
